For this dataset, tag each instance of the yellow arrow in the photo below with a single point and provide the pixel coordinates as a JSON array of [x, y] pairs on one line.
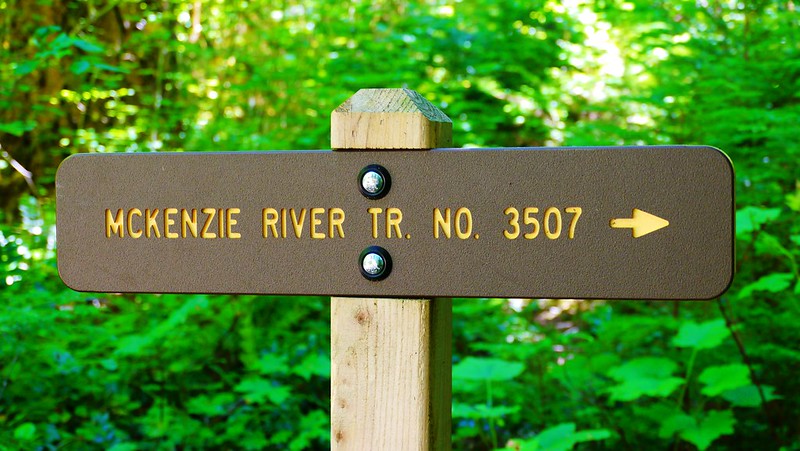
[[640, 224]]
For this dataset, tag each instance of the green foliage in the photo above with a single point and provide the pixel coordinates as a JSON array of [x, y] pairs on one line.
[[646, 376], [699, 432], [124, 371], [483, 369], [561, 437], [723, 378], [701, 336]]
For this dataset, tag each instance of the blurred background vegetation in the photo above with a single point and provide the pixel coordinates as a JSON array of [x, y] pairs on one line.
[[125, 372]]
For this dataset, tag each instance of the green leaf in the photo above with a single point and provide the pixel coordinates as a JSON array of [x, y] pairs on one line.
[[61, 42], [772, 283], [87, 47], [111, 68], [718, 379], [676, 423], [482, 411], [749, 219], [486, 369], [700, 433], [713, 426], [646, 376], [272, 364], [313, 365], [557, 438], [41, 32], [79, 67], [793, 200], [707, 335], [257, 390], [767, 244], [26, 67], [17, 128], [748, 396], [25, 431], [210, 406], [124, 447], [561, 437], [591, 435]]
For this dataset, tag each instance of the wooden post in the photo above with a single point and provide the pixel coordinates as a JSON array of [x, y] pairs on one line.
[[390, 358]]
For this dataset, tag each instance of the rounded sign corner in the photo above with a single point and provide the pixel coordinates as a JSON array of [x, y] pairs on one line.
[[725, 158], [65, 276]]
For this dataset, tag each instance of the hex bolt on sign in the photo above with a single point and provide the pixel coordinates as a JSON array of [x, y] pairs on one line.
[[374, 181], [375, 263]]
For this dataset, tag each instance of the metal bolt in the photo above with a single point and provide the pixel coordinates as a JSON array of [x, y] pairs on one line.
[[374, 181], [375, 263]]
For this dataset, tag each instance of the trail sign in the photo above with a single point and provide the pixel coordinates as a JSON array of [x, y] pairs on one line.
[[614, 222]]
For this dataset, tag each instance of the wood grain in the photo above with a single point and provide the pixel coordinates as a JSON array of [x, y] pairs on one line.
[[390, 358], [389, 119]]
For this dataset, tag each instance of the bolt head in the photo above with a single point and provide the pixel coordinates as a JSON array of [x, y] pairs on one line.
[[372, 182], [373, 264]]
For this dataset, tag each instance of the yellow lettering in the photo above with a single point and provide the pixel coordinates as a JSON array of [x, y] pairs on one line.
[[210, 213], [220, 222], [465, 232], [297, 224], [230, 222], [283, 223], [150, 223], [442, 222], [169, 221], [134, 233], [574, 222], [315, 222], [335, 220], [269, 217], [513, 222], [550, 233], [114, 223], [189, 222], [528, 219], [374, 211], [393, 219]]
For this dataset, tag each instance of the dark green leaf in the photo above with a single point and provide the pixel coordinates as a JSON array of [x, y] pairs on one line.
[[80, 66], [87, 47]]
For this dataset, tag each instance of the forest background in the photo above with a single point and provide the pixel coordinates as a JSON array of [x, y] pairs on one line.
[[125, 372]]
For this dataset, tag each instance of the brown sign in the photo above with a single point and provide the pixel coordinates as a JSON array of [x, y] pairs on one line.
[[614, 223]]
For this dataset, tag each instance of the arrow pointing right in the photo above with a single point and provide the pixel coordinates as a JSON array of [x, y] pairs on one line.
[[640, 224]]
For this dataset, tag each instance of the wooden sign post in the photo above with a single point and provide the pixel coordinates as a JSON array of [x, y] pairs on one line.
[[390, 358]]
